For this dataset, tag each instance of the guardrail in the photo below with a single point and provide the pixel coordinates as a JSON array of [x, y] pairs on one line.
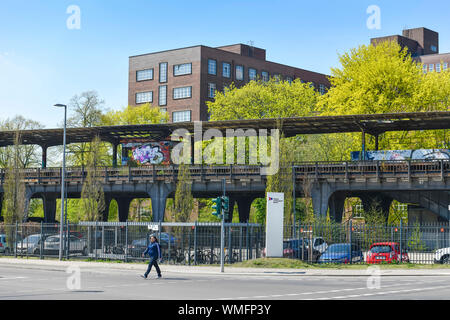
[[308, 170]]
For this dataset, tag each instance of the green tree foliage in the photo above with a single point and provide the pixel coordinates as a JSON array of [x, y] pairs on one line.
[[259, 99], [142, 114], [29, 155], [184, 201]]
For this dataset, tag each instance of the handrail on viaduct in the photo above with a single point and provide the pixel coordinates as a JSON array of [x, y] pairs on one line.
[[346, 170]]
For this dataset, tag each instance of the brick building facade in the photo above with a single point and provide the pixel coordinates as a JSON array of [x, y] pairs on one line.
[[180, 81]]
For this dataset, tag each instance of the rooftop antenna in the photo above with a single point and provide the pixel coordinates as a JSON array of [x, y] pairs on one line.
[[250, 44]]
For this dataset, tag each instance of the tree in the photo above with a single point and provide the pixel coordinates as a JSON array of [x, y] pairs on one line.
[[28, 154], [92, 195], [259, 99], [14, 202], [142, 114], [87, 108]]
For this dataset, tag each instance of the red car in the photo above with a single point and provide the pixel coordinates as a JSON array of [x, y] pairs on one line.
[[386, 252]]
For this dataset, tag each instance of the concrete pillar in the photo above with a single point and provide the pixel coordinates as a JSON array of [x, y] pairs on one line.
[[244, 204], [49, 203], [158, 193], [105, 212], [124, 207], [231, 204], [336, 206], [320, 194]]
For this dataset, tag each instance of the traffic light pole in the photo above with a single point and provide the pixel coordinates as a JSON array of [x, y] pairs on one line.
[[222, 234]]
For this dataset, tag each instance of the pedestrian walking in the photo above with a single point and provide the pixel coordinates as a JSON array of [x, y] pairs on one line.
[[154, 251]]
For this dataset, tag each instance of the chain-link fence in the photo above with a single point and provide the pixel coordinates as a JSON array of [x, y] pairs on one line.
[[199, 243]]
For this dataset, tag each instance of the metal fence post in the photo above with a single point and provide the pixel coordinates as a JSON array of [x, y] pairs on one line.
[[41, 244], [401, 246], [126, 241], [95, 241], [67, 240], [247, 242], [15, 241], [195, 243], [350, 225]]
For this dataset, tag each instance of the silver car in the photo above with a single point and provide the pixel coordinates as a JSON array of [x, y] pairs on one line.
[[29, 245], [76, 245]]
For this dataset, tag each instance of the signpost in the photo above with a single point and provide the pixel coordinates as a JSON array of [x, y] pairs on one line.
[[274, 224]]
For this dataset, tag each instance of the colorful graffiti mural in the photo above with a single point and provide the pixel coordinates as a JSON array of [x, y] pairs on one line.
[[392, 155], [147, 152]]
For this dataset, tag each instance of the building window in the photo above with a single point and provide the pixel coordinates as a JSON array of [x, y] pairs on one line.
[[226, 70], [181, 116], [251, 74], [322, 89], [312, 85], [425, 68], [431, 67], [144, 97], [212, 66], [433, 48], [182, 93], [211, 90], [265, 76], [163, 72], [163, 110], [277, 77], [289, 79], [182, 69], [438, 67], [445, 68], [239, 73], [162, 95], [142, 75]]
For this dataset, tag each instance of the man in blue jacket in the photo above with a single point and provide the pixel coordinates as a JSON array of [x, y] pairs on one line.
[[154, 251]]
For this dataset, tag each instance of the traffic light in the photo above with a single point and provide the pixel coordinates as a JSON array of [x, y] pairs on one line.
[[225, 207], [217, 207]]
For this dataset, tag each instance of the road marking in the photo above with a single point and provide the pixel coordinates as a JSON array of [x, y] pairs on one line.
[[385, 292]]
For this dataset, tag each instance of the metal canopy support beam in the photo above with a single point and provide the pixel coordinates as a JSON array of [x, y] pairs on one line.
[[44, 156]]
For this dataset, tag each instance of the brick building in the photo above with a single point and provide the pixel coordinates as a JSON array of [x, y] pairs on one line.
[[423, 44], [180, 81]]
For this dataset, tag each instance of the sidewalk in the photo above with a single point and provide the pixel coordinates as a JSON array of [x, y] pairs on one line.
[[101, 266]]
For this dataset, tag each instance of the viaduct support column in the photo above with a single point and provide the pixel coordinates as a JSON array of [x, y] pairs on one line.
[[105, 212], [49, 203], [244, 204], [124, 207], [158, 193], [320, 194]]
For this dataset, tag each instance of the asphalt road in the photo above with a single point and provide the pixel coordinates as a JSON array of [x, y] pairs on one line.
[[55, 283]]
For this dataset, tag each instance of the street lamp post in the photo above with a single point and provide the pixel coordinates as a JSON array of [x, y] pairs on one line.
[[61, 220]]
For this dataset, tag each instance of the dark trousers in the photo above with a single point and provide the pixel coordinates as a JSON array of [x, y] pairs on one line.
[[153, 262]]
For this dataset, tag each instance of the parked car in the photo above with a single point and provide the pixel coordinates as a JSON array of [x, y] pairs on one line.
[[292, 248], [138, 246], [51, 246], [442, 256], [319, 244], [341, 253], [4, 246], [29, 244], [386, 252]]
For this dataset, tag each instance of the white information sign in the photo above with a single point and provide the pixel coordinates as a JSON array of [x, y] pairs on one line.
[[274, 225]]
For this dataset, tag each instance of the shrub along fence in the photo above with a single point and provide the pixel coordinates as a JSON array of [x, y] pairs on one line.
[[199, 243]]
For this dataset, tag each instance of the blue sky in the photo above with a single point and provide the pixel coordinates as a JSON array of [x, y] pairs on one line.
[[42, 62]]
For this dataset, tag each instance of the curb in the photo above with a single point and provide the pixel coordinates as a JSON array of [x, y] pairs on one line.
[[46, 264]]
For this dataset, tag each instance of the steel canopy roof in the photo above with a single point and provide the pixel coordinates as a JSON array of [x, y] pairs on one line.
[[373, 124]]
